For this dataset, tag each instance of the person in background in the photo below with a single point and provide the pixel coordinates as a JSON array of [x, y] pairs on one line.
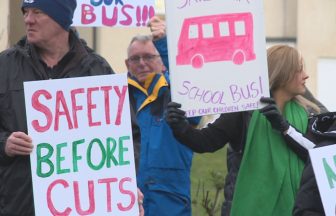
[[308, 202], [50, 50], [234, 157], [163, 173], [270, 140]]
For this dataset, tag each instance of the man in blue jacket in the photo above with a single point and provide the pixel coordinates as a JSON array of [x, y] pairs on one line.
[[163, 172]]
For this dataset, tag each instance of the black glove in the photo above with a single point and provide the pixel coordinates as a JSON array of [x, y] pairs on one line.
[[176, 118], [273, 115]]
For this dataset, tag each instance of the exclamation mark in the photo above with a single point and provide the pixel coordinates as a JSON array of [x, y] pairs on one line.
[[138, 15], [151, 12], [144, 15]]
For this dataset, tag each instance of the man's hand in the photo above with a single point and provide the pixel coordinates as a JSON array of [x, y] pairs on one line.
[[157, 27], [176, 118], [271, 112], [18, 143]]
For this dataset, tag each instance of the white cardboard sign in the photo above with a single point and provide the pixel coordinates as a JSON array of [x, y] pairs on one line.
[[217, 55], [83, 161]]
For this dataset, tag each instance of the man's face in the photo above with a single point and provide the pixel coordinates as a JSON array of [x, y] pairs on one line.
[[143, 59], [40, 28]]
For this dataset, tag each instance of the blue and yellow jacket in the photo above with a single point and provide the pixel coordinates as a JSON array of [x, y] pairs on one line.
[[164, 162]]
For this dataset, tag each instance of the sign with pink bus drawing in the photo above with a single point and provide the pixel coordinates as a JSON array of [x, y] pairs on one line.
[[110, 13], [83, 161], [217, 55]]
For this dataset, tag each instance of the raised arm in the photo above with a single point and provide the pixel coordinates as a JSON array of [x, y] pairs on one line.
[[158, 29], [208, 139]]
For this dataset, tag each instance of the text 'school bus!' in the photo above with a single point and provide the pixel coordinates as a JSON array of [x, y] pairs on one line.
[[223, 37]]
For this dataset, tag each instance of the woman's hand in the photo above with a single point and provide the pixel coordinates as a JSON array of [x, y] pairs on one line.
[[273, 115]]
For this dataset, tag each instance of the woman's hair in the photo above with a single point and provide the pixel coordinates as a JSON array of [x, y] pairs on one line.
[[283, 64]]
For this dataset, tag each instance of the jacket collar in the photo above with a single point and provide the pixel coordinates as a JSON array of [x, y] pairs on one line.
[[153, 84], [78, 51]]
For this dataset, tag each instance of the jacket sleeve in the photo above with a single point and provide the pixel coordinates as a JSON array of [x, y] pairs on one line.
[[101, 66], [298, 143], [162, 48], [227, 128], [4, 159], [136, 138], [308, 201], [5, 120]]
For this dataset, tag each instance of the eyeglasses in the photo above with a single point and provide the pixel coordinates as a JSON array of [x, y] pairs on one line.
[[146, 58]]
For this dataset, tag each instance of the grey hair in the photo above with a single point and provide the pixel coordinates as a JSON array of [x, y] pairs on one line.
[[140, 38]]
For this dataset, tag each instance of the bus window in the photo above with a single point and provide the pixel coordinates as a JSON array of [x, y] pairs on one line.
[[193, 31], [224, 29], [208, 31], [240, 28]]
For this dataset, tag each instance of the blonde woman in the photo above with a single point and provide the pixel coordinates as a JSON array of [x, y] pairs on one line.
[[270, 140]]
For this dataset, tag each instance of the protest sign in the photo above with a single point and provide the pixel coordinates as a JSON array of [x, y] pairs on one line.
[[109, 13], [217, 55], [324, 165], [83, 161]]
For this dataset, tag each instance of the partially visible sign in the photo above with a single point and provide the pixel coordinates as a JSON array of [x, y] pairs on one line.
[[4, 25], [109, 13], [324, 164], [83, 161]]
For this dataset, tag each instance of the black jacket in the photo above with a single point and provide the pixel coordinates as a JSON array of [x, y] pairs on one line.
[[18, 64], [322, 131]]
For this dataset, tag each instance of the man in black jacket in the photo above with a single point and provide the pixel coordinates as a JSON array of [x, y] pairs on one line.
[[50, 50]]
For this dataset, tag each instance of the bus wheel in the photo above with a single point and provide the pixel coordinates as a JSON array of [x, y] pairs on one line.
[[238, 58], [197, 61]]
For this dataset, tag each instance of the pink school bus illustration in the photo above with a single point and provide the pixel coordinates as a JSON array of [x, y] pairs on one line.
[[223, 37]]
